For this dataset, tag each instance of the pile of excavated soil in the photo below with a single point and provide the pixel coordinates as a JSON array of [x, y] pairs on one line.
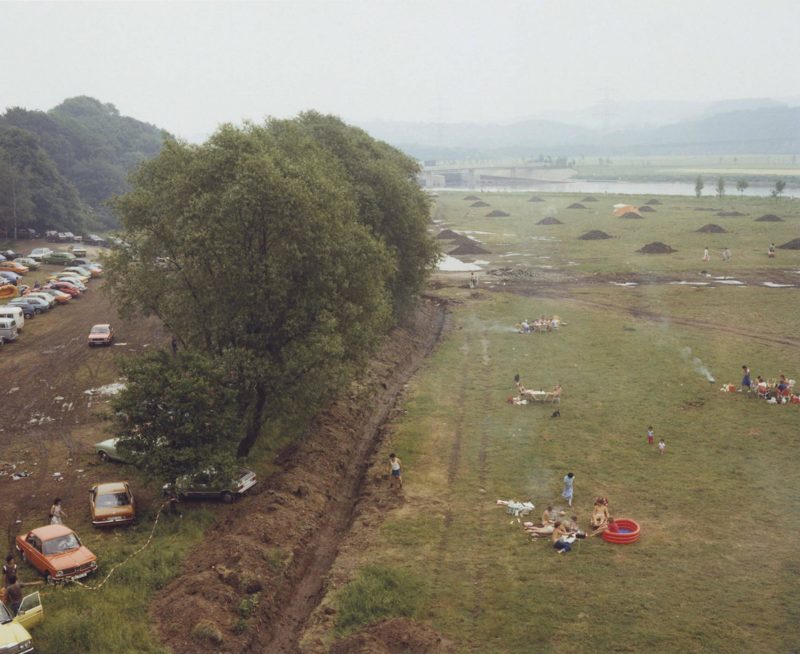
[[472, 198], [729, 214], [448, 235], [791, 245], [589, 198], [480, 203], [656, 248], [630, 215], [594, 235], [550, 220], [711, 228], [576, 205], [395, 636], [497, 214], [646, 208], [769, 218], [653, 201], [535, 198], [468, 246], [704, 209], [281, 541]]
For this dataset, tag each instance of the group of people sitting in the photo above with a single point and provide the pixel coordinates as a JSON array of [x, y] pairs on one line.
[[564, 532], [778, 391], [526, 395], [543, 324]]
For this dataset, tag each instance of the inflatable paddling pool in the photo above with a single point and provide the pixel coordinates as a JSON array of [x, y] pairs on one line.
[[627, 531]]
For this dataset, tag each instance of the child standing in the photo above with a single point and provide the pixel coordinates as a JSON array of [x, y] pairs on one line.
[[661, 446], [394, 471], [650, 435]]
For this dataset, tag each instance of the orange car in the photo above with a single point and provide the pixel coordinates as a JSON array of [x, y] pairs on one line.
[[56, 553], [112, 504], [13, 266], [101, 335]]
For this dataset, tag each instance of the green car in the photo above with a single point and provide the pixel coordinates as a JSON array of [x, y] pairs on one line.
[[59, 258]]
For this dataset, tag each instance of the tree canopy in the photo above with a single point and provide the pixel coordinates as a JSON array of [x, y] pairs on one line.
[[253, 249]]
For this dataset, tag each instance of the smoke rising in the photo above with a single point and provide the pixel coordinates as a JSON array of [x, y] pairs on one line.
[[697, 364]]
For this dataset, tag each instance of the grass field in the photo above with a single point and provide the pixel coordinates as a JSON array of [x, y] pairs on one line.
[[716, 569]]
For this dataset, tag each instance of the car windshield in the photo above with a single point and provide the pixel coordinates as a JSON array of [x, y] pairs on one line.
[[5, 616], [100, 329], [112, 500], [61, 544]]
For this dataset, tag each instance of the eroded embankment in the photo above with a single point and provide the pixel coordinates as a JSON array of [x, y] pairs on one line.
[[259, 573]]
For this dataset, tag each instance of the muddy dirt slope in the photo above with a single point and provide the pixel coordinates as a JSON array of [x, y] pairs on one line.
[[275, 548]]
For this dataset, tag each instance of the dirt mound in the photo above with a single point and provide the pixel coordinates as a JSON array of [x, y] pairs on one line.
[[396, 636], [535, 198], [550, 220], [631, 215], [646, 209], [711, 228], [791, 245], [594, 235], [653, 201], [704, 209], [656, 248], [497, 214], [448, 235], [576, 205], [281, 541], [468, 246], [730, 214], [589, 198], [480, 203], [472, 198], [769, 218]]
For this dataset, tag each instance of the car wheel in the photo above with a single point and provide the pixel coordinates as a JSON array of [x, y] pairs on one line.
[[48, 580], [37, 311], [227, 497], [103, 456]]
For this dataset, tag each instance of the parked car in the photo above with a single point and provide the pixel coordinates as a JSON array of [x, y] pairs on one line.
[[95, 269], [51, 235], [29, 309], [59, 258], [94, 239], [107, 450], [78, 250], [10, 254], [13, 313], [38, 254], [64, 287], [101, 335], [70, 277], [27, 232], [40, 305], [30, 264], [56, 552], [14, 266], [213, 484], [8, 330], [112, 504], [58, 296], [10, 277], [51, 301], [14, 635], [80, 272]]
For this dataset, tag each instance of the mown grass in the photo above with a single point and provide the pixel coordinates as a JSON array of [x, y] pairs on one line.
[[716, 568]]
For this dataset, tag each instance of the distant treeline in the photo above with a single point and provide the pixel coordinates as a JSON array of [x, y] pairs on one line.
[[59, 168]]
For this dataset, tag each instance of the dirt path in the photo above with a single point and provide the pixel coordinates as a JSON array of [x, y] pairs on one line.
[[276, 548]]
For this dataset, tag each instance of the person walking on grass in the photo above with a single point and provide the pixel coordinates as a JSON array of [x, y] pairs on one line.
[[661, 446], [57, 514], [394, 471], [650, 435], [706, 255], [569, 483], [9, 570]]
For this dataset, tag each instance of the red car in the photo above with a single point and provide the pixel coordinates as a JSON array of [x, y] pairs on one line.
[[56, 553], [65, 287]]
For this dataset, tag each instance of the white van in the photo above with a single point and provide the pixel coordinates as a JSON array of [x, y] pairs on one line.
[[13, 313], [8, 329]]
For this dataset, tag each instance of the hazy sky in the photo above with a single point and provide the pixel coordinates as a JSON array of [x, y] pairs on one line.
[[188, 66]]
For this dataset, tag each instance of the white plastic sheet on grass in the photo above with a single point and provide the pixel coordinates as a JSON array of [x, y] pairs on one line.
[[451, 264]]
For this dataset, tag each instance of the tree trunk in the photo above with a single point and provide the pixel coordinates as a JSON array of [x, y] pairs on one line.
[[254, 423]]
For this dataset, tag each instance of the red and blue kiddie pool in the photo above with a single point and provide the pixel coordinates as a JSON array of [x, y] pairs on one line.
[[624, 531]]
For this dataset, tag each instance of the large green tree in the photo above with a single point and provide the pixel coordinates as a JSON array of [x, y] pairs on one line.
[[252, 248]]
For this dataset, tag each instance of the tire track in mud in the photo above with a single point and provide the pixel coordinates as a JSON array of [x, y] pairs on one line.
[[479, 574], [303, 590]]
